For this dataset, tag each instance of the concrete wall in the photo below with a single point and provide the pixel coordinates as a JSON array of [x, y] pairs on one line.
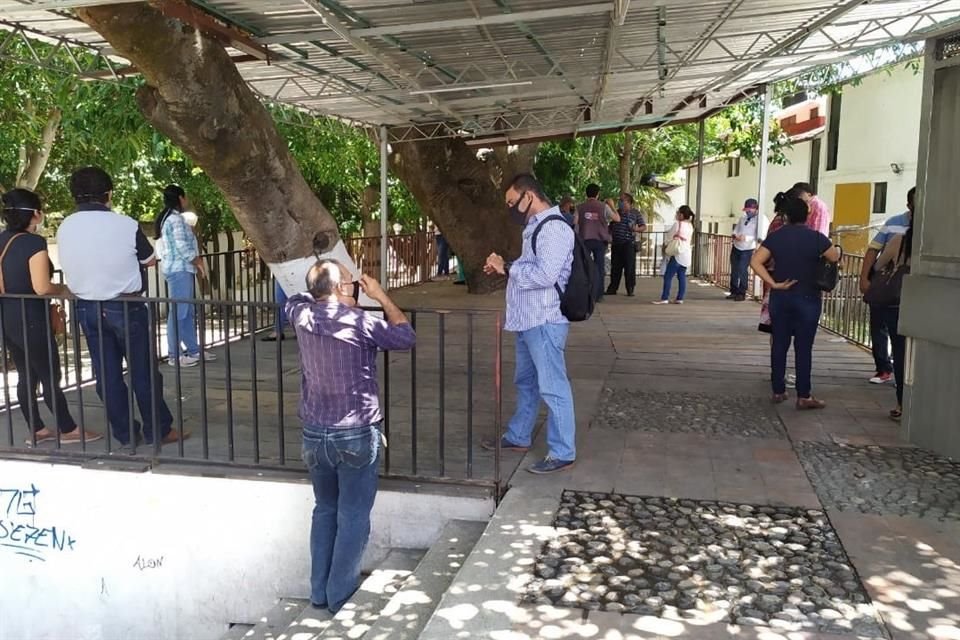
[[879, 125], [100, 554], [723, 197]]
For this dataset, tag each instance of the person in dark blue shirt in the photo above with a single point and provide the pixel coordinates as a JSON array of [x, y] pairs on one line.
[[795, 298], [623, 249]]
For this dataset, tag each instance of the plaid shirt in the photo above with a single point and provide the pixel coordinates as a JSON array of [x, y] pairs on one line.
[[180, 245], [338, 360]]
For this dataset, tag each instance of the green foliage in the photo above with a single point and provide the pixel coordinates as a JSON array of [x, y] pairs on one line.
[[101, 124]]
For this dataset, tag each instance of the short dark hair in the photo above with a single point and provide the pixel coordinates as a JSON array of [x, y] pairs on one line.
[[90, 184], [320, 281], [804, 187], [790, 205], [911, 196], [527, 182], [685, 212], [593, 190], [19, 207]]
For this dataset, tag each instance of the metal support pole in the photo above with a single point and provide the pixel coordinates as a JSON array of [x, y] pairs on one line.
[[764, 151], [384, 231], [698, 220]]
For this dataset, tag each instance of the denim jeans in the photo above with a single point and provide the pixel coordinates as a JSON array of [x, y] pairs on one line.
[[740, 271], [443, 256], [889, 318], [598, 251], [110, 330], [181, 326], [880, 339], [674, 269], [281, 298], [795, 317], [542, 373], [343, 468]]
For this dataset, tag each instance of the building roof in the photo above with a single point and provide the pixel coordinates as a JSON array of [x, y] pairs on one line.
[[515, 70]]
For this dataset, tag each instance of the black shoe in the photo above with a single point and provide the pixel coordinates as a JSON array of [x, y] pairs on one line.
[[610, 293], [629, 294]]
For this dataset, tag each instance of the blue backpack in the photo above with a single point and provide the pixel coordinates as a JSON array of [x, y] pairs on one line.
[[579, 298]]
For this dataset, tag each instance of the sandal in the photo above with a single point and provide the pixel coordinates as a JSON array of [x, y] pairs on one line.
[[896, 414]]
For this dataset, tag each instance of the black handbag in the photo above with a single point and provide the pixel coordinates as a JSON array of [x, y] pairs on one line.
[[828, 273], [886, 284]]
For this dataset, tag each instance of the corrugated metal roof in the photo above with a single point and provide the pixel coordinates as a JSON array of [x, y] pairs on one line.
[[518, 69]]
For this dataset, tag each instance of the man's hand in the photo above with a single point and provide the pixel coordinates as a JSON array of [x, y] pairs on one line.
[[738, 238], [864, 285], [782, 286], [372, 288], [494, 264]]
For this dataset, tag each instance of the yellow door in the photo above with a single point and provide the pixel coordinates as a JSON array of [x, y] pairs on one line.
[[851, 209]]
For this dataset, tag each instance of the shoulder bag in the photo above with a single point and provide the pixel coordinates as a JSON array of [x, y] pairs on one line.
[[886, 285], [673, 246], [58, 317], [828, 273]]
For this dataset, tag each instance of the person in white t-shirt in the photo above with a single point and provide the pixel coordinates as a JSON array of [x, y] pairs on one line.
[[678, 242]]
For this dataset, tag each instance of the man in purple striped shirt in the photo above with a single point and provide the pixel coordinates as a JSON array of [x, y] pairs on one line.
[[340, 410]]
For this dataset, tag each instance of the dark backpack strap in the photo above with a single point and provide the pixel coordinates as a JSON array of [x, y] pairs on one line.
[[536, 232], [533, 242]]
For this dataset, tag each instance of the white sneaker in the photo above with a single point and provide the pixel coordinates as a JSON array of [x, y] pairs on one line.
[[791, 381], [209, 356], [660, 302], [189, 361], [678, 302]]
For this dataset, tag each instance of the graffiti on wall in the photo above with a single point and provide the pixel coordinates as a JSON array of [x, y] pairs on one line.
[[21, 531]]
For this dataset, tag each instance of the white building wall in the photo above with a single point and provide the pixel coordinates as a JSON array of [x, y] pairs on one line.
[[879, 125], [723, 197], [92, 554]]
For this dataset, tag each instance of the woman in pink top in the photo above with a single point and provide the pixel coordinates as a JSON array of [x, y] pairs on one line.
[[818, 217]]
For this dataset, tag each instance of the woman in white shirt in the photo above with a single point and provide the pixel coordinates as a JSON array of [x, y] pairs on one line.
[[679, 248]]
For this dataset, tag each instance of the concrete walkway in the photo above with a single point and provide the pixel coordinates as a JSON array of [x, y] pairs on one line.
[[672, 402]]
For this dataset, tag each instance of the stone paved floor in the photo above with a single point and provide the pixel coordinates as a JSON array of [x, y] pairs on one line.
[[708, 352]]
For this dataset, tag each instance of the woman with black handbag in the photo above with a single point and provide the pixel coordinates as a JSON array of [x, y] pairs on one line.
[[795, 298], [883, 296], [25, 269]]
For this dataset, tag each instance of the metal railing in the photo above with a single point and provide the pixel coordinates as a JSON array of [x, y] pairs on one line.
[[650, 253], [844, 312], [411, 258], [241, 407]]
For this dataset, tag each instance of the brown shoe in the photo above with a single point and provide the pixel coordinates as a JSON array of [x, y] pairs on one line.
[[810, 403], [777, 398], [75, 436], [175, 436]]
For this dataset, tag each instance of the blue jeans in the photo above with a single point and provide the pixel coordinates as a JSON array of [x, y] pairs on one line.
[[343, 468], [740, 271], [598, 251], [181, 326], [889, 318], [880, 339], [120, 329], [281, 298], [542, 373], [795, 317], [674, 269]]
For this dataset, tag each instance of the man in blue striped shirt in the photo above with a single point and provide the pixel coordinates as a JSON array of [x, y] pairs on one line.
[[533, 313]]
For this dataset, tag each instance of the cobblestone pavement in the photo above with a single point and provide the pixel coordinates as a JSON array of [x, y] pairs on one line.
[[885, 480], [685, 412], [781, 567]]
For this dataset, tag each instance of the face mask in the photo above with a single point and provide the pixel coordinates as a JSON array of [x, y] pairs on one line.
[[355, 293], [519, 217]]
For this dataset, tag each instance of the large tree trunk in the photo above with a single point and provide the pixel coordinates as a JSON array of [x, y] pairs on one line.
[[195, 95], [463, 195], [34, 155]]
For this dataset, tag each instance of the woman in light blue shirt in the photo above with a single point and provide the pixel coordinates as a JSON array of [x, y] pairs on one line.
[[180, 261]]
